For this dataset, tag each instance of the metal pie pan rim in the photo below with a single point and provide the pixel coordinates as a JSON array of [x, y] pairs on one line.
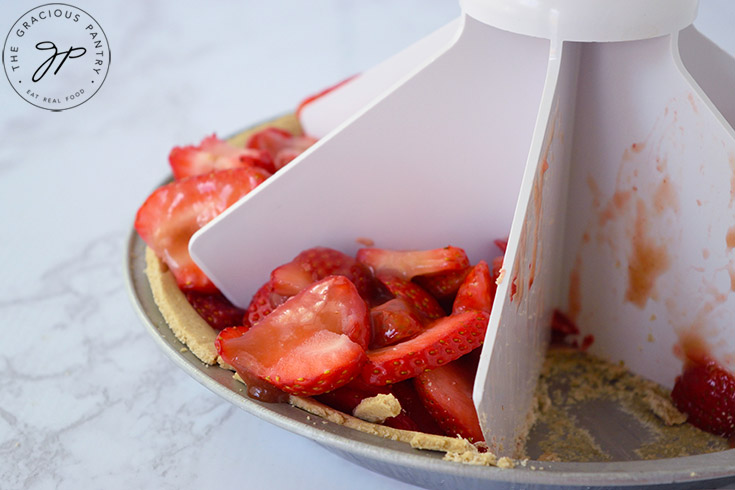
[[687, 469]]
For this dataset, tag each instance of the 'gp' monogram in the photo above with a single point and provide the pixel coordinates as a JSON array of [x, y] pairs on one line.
[[46, 45]]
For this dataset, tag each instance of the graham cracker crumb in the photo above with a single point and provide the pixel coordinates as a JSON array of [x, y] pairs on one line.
[[664, 408], [472, 457], [431, 442], [575, 384], [549, 456], [378, 408]]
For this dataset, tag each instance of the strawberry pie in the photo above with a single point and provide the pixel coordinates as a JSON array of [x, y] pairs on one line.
[[385, 341]]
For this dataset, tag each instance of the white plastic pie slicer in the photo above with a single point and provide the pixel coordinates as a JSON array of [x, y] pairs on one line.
[[571, 127]]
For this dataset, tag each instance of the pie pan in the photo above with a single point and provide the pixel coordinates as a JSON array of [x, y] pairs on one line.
[[397, 459]]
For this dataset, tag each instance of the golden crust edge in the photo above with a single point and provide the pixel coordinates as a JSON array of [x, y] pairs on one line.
[[182, 319]]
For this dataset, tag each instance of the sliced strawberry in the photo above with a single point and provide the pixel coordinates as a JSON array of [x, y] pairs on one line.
[[563, 325], [229, 333], [413, 294], [215, 309], [414, 415], [320, 94], [411, 263], [311, 344], [263, 303], [270, 140], [501, 244], [256, 387], [447, 395], [317, 263], [441, 342], [349, 396], [477, 290], [170, 216], [394, 321], [443, 285], [706, 393], [215, 154], [280, 145], [497, 267]]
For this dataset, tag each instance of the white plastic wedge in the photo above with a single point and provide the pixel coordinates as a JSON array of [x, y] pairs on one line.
[[592, 149]]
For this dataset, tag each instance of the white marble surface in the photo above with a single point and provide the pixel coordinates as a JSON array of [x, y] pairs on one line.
[[86, 398]]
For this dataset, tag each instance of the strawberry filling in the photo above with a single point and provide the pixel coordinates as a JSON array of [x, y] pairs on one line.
[[342, 328]]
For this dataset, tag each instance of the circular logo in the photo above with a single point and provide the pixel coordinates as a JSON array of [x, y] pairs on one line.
[[56, 56]]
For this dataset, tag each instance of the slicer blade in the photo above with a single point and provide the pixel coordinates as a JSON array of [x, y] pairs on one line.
[[573, 126]]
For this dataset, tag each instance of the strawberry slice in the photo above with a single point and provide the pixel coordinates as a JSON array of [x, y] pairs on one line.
[[215, 154], [443, 285], [256, 387], [349, 396], [413, 294], [410, 263], [229, 333], [320, 94], [447, 395], [280, 145], [215, 309], [477, 290], [172, 213], [441, 342], [414, 415], [311, 344], [263, 303], [393, 321], [706, 393], [317, 263]]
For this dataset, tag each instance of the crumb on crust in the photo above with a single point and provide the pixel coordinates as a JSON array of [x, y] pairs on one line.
[[378, 408]]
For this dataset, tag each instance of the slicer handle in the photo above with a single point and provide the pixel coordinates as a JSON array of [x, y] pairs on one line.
[[585, 20]]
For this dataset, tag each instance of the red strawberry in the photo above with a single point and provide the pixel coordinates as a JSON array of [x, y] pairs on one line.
[[316, 96], [170, 216], [281, 145], [497, 267], [263, 303], [414, 415], [706, 393], [413, 294], [256, 387], [447, 395], [443, 285], [477, 290], [317, 263], [563, 325], [407, 264], [441, 342], [215, 309], [311, 344], [229, 333], [215, 154], [393, 321], [349, 396]]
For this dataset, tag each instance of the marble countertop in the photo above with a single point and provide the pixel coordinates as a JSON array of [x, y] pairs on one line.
[[87, 400]]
